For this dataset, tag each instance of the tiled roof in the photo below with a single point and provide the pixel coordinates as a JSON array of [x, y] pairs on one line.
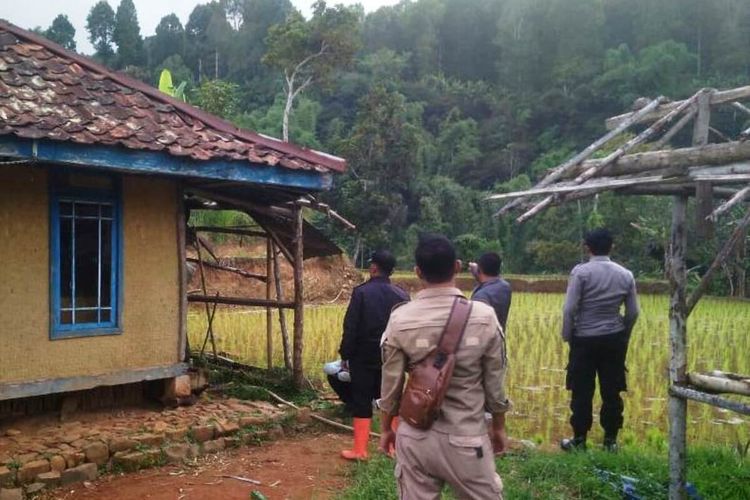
[[47, 92]]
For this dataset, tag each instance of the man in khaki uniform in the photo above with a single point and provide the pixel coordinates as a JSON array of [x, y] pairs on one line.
[[457, 448]]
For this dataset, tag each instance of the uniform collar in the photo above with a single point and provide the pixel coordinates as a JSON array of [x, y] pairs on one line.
[[599, 258], [383, 279], [447, 291], [494, 279]]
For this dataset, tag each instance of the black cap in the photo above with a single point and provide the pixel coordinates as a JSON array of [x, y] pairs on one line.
[[384, 260]]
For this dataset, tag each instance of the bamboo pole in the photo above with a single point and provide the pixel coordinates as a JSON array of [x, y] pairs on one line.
[[269, 312], [558, 172], [282, 318], [721, 257], [678, 345], [299, 306]]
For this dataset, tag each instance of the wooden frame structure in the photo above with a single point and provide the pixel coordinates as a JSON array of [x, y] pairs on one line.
[[705, 171], [291, 213]]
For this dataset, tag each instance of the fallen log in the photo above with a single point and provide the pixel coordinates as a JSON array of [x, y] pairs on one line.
[[710, 154], [711, 399], [719, 384]]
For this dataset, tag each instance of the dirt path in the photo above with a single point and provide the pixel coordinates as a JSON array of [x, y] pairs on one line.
[[301, 467]]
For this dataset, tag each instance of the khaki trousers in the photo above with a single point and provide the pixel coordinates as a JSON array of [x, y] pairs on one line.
[[426, 460]]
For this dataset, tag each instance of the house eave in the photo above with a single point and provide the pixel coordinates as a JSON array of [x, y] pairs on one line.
[[120, 159]]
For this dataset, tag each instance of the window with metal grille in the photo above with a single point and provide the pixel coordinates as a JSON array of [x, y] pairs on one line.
[[85, 263]]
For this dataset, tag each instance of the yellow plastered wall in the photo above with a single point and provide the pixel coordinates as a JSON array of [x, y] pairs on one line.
[[150, 300]]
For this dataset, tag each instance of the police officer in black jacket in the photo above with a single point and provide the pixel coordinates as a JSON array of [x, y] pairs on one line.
[[364, 323]]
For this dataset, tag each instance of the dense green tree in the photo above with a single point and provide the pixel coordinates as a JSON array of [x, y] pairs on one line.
[[62, 32], [169, 39], [127, 35], [309, 52], [217, 97], [100, 24]]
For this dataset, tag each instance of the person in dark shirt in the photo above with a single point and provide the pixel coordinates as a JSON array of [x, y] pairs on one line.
[[598, 335], [492, 289], [365, 320]]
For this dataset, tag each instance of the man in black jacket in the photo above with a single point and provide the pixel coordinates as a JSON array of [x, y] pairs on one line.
[[366, 318]]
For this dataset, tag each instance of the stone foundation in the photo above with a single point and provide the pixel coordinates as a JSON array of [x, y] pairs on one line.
[[71, 452]]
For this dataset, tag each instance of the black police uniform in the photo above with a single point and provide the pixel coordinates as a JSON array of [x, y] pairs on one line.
[[364, 323]]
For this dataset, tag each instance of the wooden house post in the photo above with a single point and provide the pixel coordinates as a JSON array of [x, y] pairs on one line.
[[678, 348], [269, 311], [678, 314], [299, 303]]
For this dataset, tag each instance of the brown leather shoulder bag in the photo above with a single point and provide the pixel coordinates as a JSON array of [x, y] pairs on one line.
[[429, 377]]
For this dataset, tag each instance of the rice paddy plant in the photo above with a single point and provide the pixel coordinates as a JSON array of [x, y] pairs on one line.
[[718, 338]]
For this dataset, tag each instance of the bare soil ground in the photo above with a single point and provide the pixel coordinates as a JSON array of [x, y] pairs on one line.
[[305, 466]]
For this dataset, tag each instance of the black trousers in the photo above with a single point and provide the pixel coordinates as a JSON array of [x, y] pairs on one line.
[[365, 387], [602, 356], [343, 390]]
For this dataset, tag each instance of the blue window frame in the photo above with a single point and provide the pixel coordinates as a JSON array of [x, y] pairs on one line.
[[85, 262]]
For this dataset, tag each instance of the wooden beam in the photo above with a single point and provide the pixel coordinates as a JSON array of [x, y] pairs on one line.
[[718, 97], [299, 300], [716, 384], [326, 209], [726, 251], [31, 388], [240, 301], [703, 156], [741, 107], [230, 269], [711, 399], [681, 123], [678, 348], [703, 191], [230, 230], [282, 319], [560, 171], [738, 197], [269, 312], [242, 205], [277, 241], [569, 188], [116, 158], [619, 152]]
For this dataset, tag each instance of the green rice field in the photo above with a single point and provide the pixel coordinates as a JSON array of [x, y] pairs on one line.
[[718, 338]]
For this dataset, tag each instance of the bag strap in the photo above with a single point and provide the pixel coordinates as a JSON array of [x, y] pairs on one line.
[[454, 329]]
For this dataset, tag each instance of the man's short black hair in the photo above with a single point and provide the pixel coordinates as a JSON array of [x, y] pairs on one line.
[[599, 241], [490, 264], [436, 258], [385, 261]]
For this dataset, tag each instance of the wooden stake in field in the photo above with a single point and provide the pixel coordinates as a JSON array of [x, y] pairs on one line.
[[269, 311], [299, 304]]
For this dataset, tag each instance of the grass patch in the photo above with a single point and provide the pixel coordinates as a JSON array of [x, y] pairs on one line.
[[716, 473]]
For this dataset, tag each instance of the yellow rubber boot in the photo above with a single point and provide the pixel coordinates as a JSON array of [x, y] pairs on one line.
[[361, 438]]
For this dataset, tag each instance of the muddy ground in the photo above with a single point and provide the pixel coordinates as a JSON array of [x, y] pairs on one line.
[[305, 466]]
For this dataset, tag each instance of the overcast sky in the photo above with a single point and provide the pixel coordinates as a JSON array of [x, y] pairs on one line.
[[32, 13]]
